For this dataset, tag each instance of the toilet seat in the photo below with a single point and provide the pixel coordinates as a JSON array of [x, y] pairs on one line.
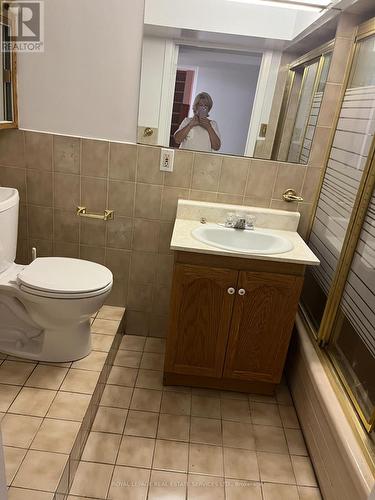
[[64, 278]]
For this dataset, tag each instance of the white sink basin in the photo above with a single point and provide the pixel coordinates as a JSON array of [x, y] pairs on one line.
[[257, 241]]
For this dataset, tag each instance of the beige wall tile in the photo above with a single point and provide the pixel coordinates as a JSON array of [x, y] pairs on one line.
[[122, 161], [40, 222], [118, 261], [305, 209], [14, 177], [95, 254], [66, 226], [233, 199], [182, 170], [143, 267], [137, 322], [12, 148], [164, 269], [206, 172], [148, 201], [233, 176], [95, 155], [288, 176], [330, 104], [39, 187], [169, 202], [94, 194], [148, 170], [146, 235], [261, 179], [66, 191], [93, 232], [121, 197], [202, 195], [66, 154], [340, 59], [320, 147], [311, 184], [120, 233], [38, 151], [62, 249], [140, 297]]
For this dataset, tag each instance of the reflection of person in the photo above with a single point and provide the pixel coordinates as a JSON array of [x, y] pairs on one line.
[[199, 132]]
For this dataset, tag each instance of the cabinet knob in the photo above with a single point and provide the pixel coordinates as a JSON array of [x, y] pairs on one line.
[[231, 291], [241, 291]]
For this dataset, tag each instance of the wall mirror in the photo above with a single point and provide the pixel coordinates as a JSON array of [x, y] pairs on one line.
[[210, 79], [8, 77]]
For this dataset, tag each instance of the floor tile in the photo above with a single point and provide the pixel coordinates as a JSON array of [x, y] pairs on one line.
[[296, 442], [47, 377], [132, 343], [13, 458], [205, 459], [150, 379], [202, 406], [35, 402], [111, 312], [171, 456], [7, 395], [275, 468], [136, 452], [92, 480], [289, 417], [94, 361], [69, 406], [205, 488], [241, 464], [101, 447], [174, 427], [129, 483], [141, 423], [121, 375], [279, 492], [105, 326], [81, 381], [40, 470], [22, 494], [110, 420], [19, 430], [265, 414], [116, 396], [15, 372], [268, 438], [233, 409], [56, 435], [167, 486], [100, 342], [130, 359], [303, 471], [176, 403], [283, 395], [308, 493], [234, 395], [146, 400], [154, 344], [205, 430], [152, 361], [238, 435], [242, 490]]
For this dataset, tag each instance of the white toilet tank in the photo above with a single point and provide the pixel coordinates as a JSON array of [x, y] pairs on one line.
[[9, 202]]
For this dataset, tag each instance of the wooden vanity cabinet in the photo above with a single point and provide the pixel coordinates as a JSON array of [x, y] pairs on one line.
[[231, 321]]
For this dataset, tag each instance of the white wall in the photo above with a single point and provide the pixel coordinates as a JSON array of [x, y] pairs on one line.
[[87, 81], [231, 81]]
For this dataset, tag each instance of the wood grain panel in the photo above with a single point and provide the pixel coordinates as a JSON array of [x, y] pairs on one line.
[[261, 326], [201, 311]]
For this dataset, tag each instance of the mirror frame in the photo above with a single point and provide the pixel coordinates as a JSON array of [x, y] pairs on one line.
[[14, 123]]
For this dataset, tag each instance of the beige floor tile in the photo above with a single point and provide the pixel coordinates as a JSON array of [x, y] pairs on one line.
[[116, 396], [146, 400], [129, 483], [276, 468], [150, 379], [136, 452], [15, 372], [308, 493], [94, 361], [92, 480], [171, 456], [209, 393], [238, 435], [262, 398], [141, 423], [268, 438], [121, 375], [178, 388], [241, 464], [152, 361], [234, 395], [19, 430], [22, 494], [238, 410], [202, 406], [296, 442], [289, 417], [130, 359], [56, 435], [205, 459], [69, 406], [167, 486], [40, 470], [81, 381], [303, 470], [35, 402], [242, 490], [110, 420], [101, 342], [111, 312], [47, 377], [105, 326], [13, 458], [205, 488], [283, 395], [176, 403], [205, 430], [154, 344], [265, 414], [133, 343], [174, 427], [7, 395], [101, 447], [279, 492]]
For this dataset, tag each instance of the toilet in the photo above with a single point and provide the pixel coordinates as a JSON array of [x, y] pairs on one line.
[[46, 306]]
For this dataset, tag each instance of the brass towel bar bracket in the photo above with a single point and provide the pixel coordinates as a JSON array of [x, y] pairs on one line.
[[107, 215]]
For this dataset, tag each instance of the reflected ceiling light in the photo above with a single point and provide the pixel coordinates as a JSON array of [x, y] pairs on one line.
[[295, 4]]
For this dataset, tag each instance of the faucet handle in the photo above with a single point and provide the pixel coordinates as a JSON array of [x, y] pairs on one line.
[[250, 221], [230, 219]]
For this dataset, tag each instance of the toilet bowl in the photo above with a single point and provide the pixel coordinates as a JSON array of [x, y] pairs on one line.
[[46, 306]]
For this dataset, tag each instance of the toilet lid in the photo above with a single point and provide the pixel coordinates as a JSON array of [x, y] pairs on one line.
[[64, 275]]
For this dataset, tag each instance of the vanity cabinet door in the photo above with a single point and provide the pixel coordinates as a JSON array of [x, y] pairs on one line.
[[262, 323], [201, 311]]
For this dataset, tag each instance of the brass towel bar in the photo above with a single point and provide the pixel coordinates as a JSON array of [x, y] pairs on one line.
[[107, 215]]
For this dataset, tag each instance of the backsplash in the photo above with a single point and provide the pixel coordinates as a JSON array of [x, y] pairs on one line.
[[56, 173]]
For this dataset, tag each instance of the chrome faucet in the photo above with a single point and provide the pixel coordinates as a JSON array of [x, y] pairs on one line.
[[240, 221]]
